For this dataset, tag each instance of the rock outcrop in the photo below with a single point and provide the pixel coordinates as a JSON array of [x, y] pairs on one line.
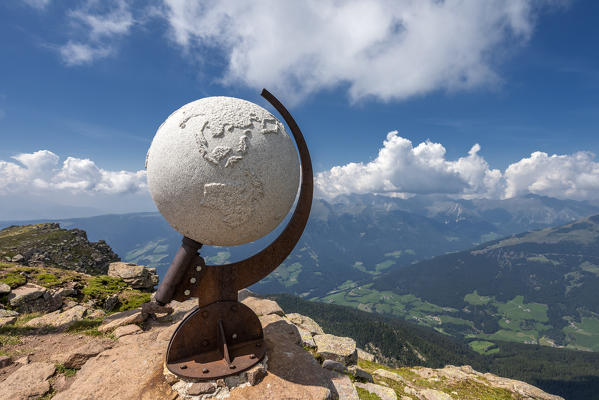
[[136, 276], [48, 244], [124, 359]]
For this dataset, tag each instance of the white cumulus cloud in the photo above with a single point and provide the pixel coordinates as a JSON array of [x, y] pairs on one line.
[[403, 168], [389, 49], [41, 172], [99, 25]]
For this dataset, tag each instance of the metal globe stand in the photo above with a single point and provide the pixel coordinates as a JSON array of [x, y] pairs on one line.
[[222, 336]]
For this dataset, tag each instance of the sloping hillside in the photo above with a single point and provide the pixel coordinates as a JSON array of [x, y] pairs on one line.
[[539, 287]]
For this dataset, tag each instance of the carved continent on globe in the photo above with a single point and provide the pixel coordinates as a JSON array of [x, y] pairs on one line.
[[222, 171]]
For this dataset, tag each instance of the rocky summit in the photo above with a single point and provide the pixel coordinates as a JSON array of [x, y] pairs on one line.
[[80, 351], [49, 245]]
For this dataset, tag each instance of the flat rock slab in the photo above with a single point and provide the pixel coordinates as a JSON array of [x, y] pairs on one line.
[[79, 356], [383, 392], [126, 372], [59, 319], [33, 298], [306, 323], [383, 373], [263, 306], [28, 382], [127, 330], [122, 318], [337, 348]]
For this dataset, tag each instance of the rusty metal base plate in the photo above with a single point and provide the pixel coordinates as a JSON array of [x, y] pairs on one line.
[[218, 340]]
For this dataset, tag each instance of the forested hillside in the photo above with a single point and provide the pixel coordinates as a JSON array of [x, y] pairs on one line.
[[568, 373]]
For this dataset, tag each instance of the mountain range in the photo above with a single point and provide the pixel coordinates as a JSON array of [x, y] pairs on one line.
[[421, 259]]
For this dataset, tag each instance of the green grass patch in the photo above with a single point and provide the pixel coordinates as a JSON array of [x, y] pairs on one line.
[[87, 326], [47, 279], [100, 287], [131, 299], [13, 279], [68, 372], [364, 394], [481, 346]]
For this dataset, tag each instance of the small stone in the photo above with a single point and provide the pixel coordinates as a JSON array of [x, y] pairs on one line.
[[111, 302], [64, 292], [127, 330], [4, 288], [17, 258], [334, 366], [7, 321], [59, 319], [23, 360], [263, 306], [201, 388], [119, 319], [337, 348], [5, 361], [8, 313], [96, 313], [256, 374], [383, 373], [360, 374]]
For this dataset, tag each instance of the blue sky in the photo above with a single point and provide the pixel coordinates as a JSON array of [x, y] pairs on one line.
[[92, 80]]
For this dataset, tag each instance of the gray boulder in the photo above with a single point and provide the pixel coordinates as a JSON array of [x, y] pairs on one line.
[[137, 276], [31, 298], [337, 348]]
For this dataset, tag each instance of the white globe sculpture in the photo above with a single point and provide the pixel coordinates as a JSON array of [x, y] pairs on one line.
[[223, 171]]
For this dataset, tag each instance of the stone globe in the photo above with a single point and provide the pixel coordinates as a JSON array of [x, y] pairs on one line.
[[223, 171]]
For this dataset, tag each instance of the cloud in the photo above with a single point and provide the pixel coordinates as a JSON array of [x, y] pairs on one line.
[[574, 176], [39, 4], [388, 49], [401, 168], [79, 54], [40, 173], [100, 27]]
